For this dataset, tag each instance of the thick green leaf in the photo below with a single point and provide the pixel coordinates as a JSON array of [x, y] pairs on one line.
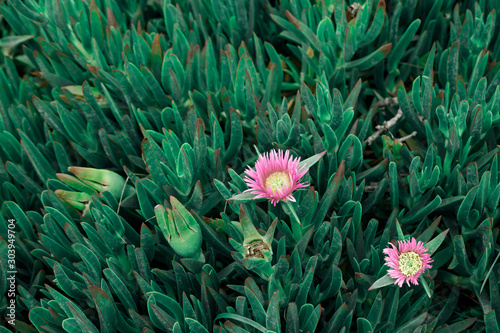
[[397, 53], [40, 163], [309, 162], [241, 319], [120, 289], [81, 319], [434, 244], [370, 60], [243, 197], [491, 322], [105, 309], [42, 319], [21, 220], [384, 281]]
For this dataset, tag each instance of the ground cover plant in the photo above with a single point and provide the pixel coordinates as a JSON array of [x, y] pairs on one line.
[[249, 166]]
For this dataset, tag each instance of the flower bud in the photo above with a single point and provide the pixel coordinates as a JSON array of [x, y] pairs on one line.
[[102, 180], [77, 200], [180, 229], [75, 183]]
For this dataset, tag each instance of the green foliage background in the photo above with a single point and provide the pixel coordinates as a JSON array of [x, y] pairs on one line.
[[178, 97]]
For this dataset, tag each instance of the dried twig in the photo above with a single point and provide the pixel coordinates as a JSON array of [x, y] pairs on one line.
[[384, 127], [387, 101], [404, 138]]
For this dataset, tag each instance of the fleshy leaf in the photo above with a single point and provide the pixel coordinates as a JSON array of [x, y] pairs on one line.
[[434, 244], [384, 281], [311, 160]]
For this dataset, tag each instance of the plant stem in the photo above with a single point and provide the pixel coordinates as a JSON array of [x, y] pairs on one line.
[[421, 278], [294, 220]]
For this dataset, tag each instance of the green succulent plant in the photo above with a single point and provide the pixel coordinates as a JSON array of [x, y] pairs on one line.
[[126, 128]]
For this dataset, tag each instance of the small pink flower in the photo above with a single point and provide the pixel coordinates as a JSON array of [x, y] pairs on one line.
[[407, 261], [275, 177]]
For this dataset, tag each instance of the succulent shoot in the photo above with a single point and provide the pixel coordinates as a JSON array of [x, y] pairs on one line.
[[180, 229]]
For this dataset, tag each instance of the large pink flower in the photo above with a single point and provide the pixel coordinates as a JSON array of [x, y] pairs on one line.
[[407, 261], [276, 176]]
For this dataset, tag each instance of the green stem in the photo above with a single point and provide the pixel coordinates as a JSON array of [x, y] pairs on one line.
[[294, 220], [425, 285], [292, 211]]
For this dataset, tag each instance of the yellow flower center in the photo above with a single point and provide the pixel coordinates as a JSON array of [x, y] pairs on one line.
[[410, 263], [277, 181]]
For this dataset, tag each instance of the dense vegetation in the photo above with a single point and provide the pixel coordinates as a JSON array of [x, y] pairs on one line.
[[126, 127]]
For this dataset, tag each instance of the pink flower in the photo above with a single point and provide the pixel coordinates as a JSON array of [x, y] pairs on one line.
[[276, 176], [407, 261]]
